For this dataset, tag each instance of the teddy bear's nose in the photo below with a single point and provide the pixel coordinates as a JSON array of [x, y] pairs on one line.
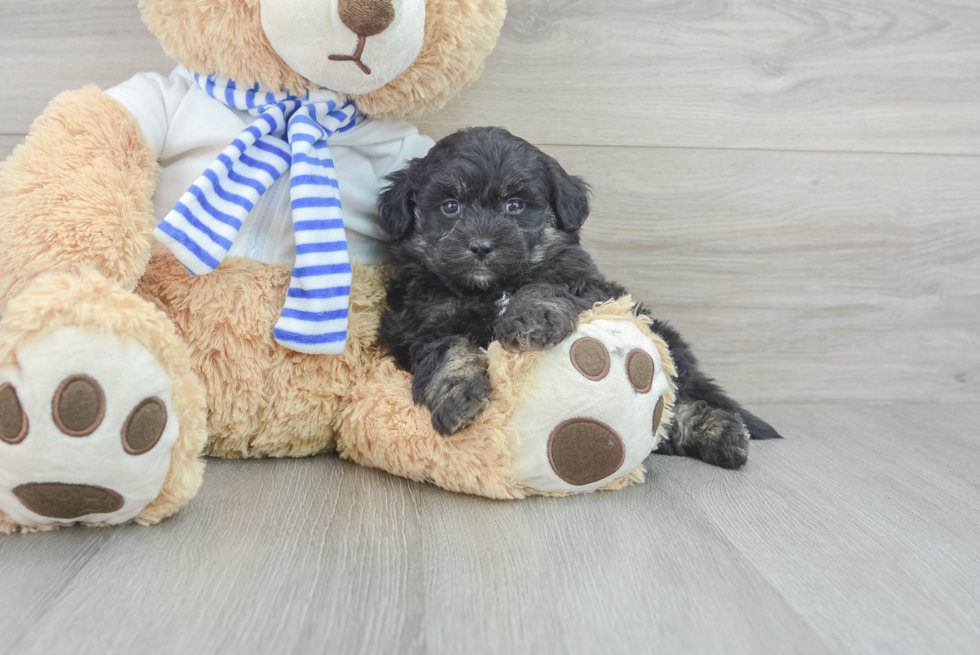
[[366, 17]]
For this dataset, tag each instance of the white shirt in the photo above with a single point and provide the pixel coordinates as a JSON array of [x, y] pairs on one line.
[[189, 129]]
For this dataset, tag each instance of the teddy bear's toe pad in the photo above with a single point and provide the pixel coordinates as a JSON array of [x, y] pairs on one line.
[[13, 420], [590, 357], [79, 406], [593, 414], [84, 429]]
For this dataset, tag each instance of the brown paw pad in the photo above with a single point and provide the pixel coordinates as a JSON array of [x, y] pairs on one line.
[[591, 358], [584, 450], [67, 501], [144, 426], [79, 406], [13, 420], [640, 370]]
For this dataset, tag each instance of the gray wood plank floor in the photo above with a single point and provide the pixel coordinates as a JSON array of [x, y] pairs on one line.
[[860, 534], [796, 186]]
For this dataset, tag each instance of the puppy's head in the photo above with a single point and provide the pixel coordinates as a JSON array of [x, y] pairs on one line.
[[482, 209]]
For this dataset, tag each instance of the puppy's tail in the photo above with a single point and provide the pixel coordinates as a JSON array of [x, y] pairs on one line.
[[758, 429]]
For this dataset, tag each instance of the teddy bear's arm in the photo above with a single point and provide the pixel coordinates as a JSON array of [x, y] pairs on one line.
[[77, 193]]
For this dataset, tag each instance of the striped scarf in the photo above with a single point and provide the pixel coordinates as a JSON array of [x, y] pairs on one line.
[[289, 134]]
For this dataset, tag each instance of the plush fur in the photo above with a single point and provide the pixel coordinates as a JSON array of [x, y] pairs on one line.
[[264, 400], [485, 246], [226, 36], [77, 192], [89, 301]]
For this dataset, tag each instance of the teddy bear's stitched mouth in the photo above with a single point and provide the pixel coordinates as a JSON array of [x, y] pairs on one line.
[[356, 57]]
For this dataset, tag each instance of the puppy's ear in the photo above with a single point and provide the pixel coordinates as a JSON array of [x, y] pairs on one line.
[[397, 207], [569, 197]]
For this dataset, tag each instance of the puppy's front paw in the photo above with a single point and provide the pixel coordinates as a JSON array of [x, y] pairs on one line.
[[535, 328], [456, 402]]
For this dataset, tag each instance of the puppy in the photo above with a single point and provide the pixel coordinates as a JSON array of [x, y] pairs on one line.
[[484, 241]]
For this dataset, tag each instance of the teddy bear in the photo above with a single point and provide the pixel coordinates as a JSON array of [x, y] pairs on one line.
[[193, 265]]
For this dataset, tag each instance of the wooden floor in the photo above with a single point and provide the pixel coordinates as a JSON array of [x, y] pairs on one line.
[[796, 186], [860, 533]]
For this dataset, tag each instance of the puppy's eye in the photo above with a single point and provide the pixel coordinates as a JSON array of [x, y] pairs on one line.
[[450, 207], [514, 206]]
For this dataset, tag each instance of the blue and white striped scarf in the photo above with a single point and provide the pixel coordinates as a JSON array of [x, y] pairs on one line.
[[289, 134]]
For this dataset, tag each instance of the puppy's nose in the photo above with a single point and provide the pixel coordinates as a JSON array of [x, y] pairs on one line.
[[366, 17], [481, 247]]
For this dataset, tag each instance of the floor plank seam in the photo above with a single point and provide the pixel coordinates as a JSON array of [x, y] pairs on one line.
[[747, 560], [65, 583], [850, 402], [606, 146], [804, 151]]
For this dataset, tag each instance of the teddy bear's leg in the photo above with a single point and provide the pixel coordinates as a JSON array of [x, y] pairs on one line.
[[264, 400], [383, 427], [101, 418], [78, 192], [601, 401], [580, 416]]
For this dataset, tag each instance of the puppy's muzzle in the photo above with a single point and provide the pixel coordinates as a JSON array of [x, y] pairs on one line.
[[481, 248]]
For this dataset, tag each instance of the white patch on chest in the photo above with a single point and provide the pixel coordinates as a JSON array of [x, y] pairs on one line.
[[502, 304]]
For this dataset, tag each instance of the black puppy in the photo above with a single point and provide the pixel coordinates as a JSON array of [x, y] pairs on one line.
[[485, 246]]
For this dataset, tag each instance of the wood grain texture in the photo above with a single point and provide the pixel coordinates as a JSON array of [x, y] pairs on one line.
[[800, 276], [316, 555], [859, 534], [852, 75], [866, 522], [634, 571], [842, 75], [50, 46]]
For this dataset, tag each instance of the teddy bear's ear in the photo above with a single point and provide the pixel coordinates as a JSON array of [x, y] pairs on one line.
[[397, 206], [569, 196]]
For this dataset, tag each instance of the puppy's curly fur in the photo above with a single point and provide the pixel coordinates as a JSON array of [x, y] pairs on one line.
[[485, 246]]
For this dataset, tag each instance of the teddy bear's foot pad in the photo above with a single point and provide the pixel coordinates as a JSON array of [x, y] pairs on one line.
[[584, 450], [67, 501], [85, 429], [595, 412], [13, 420]]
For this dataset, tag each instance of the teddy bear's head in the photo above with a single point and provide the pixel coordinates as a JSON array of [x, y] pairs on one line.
[[393, 57]]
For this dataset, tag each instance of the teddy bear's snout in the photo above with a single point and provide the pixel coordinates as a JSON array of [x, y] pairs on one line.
[[366, 17], [347, 46]]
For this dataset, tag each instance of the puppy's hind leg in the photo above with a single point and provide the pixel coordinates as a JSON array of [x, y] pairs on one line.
[[711, 434], [708, 424]]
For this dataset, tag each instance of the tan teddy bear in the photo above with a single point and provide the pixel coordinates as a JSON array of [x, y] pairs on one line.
[[193, 264]]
